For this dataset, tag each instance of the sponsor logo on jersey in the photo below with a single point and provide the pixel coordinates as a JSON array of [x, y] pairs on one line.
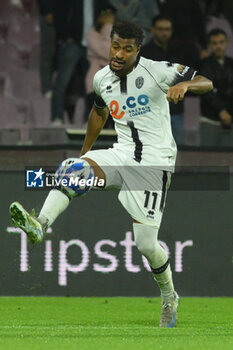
[[139, 82], [182, 70], [135, 106]]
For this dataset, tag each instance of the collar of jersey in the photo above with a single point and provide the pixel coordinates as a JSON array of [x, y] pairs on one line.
[[132, 71]]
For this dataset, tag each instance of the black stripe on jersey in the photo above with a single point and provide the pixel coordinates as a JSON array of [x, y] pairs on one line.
[[137, 141], [163, 191], [123, 84], [189, 75]]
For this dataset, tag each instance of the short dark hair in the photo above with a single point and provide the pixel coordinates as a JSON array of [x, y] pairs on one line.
[[128, 30], [216, 31], [160, 17]]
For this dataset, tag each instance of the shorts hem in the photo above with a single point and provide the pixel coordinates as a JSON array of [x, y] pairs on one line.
[[140, 220]]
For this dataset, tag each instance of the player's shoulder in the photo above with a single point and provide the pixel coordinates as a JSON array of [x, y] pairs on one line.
[[149, 64], [102, 73]]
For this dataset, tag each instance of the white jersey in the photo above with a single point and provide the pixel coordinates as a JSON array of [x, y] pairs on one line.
[[137, 102]]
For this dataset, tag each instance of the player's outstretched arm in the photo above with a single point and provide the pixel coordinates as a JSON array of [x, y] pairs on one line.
[[97, 119], [198, 85]]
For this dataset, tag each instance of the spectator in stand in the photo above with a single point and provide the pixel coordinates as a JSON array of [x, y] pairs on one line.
[[72, 19], [217, 106], [98, 40], [138, 11], [216, 8], [160, 49], [47, 46], [189, 29]]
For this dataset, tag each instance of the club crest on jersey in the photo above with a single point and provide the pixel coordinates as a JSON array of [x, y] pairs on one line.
[[139, 82]]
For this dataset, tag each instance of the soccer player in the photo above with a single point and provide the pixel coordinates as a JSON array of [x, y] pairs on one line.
[[136, 92]]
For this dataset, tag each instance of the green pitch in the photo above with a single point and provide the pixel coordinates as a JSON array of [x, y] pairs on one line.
[[113, 323]]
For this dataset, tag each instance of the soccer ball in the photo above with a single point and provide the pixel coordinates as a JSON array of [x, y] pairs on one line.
[[74, 177]]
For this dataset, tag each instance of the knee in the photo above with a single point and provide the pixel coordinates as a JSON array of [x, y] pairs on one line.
[[146, 249], [98, 172], [146, 239]]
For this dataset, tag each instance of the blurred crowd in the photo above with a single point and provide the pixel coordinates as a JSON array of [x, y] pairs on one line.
[[51, 49]]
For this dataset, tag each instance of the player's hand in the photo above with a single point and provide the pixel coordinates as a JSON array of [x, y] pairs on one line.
[[176, 93], [226, 119]]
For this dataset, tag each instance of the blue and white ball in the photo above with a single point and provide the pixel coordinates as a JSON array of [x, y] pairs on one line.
[[74, 168]]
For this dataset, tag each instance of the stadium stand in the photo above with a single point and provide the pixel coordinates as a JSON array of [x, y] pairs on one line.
[[39, 112], [12, 131], [192, 120], [23, 33], [7, 12], [19, 74], [9, 58], [33, 62], [23, 86]]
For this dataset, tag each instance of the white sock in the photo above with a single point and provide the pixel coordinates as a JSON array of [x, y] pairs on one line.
[[146, 239], [55, 203], [165, 283]]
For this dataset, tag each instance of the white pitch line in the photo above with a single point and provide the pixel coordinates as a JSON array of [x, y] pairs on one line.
[[76, 327]]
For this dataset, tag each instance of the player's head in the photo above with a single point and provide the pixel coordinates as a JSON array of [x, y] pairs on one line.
[[217, 41], [126, 41], [161, 29]]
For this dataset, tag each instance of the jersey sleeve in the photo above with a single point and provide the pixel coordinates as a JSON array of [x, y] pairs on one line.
[[168, 74], [98, 101]]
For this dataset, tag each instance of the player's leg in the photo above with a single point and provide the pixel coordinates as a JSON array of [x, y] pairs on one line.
[[146, 207], [57, 201], [55, 204], [146, 239]]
